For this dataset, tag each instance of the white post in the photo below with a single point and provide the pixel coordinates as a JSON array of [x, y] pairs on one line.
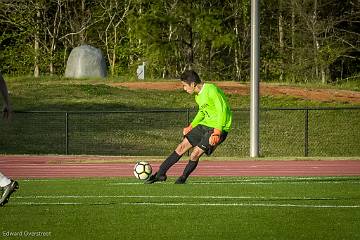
[[140, 72], [254, 75]]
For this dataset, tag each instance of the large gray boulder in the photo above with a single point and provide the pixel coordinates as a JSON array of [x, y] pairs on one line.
[[86, 62]]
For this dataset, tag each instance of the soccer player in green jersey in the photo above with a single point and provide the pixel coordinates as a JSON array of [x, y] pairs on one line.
[[208, 129]]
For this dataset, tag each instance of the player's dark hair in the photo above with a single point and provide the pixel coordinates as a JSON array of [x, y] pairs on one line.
[[190, 76]]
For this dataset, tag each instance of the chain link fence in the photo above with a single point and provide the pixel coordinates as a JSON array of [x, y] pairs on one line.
[[283, 132]]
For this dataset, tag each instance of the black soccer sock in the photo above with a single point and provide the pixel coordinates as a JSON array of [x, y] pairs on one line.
[[171, 160], [190, 167]]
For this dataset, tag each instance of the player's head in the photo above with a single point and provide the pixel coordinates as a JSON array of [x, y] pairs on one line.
[[190, 76], [190, 79]]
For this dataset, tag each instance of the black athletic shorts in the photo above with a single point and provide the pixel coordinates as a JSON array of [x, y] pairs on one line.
[[199, 136]]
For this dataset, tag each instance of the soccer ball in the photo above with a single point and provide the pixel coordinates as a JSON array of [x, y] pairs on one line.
[[142, 170]]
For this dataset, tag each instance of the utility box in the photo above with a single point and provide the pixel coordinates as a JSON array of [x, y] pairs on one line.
[[140, 72]]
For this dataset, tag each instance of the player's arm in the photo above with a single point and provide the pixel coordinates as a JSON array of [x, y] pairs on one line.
[[221, 110], [199, 116], [220, 116]]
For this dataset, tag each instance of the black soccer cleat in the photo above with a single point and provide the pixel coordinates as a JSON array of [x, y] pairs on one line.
[[155, 178], [7, 191], [180, 180]]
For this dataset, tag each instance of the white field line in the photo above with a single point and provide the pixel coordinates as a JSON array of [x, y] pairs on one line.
[[277, 182], [50, 203], [218, 180], [247, 205], [173, 197], [183, 204], [251, 182], [199, 204], [257, 181]]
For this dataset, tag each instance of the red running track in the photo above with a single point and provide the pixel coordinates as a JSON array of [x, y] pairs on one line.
[[72, 166]]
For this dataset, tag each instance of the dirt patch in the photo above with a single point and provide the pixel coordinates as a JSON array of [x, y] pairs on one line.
[[323, 95]]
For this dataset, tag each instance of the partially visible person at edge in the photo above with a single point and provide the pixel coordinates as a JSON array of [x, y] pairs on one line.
[[208, 129], [8, 185]]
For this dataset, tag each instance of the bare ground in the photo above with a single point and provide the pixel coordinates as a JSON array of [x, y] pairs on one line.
[[323, 95]]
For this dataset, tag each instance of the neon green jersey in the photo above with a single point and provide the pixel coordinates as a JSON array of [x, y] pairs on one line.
[[214, 110]]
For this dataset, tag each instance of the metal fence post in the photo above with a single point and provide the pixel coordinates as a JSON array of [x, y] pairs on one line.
[[66, 133], [306, 133]]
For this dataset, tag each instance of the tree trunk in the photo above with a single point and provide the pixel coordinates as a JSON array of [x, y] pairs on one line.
[[114, 53], [65, 55], [281, 41], [323, 74], [292, 38], [315, 44], [191, 49], [82, 33], [54, 36], [36, 65], [36, 44], [315, 40], [237, 46]]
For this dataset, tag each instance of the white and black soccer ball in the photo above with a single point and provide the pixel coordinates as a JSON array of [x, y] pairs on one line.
[[142, 170]]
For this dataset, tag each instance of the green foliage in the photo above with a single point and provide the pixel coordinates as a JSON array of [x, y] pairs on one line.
[[213, 37]]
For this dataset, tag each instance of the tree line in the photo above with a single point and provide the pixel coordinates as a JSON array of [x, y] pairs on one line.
[[301, 40]]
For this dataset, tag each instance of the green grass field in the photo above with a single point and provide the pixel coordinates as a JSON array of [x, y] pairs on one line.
[[205, 208], [56, 93]]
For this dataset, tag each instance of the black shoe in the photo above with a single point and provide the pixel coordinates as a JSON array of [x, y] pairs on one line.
[[180, 180], [155, 178], [7, 191]]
